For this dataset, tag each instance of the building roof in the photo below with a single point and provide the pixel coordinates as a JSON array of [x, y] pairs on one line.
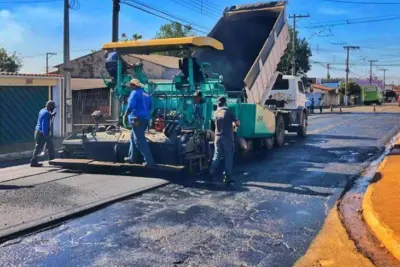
[[321, 87], [29, 74], [88, 84], [85, 84]]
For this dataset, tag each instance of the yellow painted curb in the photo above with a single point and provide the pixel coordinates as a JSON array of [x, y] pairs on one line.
[[383, 232]]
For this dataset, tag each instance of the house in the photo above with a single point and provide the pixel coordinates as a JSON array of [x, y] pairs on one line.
[[92, 65], [330, 96], [89, 92]]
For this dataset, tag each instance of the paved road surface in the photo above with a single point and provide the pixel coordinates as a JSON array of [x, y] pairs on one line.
[[269, 219]]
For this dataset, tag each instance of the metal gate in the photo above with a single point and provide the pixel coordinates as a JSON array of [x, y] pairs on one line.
[[85, 102], [19, 108]]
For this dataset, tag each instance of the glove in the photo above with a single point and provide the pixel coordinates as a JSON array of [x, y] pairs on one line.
[[124, 120]]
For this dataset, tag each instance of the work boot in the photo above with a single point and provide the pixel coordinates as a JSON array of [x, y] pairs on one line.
[[147, 165], [36, 164], [226, 180], [128, 160]]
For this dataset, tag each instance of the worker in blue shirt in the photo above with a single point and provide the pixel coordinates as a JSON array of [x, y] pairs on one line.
[[138, 115], [42, 134]]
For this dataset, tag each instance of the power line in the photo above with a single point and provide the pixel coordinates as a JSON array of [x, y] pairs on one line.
[[166, 13], [203, 3], [159, 16], [192, 7], [59, 52], [363, 3], [350, 22], [358, 18]]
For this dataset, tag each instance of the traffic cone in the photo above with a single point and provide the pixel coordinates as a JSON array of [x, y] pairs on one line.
[[340, 109], [331, 108]]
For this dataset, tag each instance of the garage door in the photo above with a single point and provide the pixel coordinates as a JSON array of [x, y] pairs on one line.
[[19, 107]]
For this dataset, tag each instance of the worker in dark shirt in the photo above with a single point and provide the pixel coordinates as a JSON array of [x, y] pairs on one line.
[[112, 64], [138, 115], [42, 134], [224, 142]]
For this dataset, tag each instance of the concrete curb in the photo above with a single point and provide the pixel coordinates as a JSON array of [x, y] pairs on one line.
[[382, 232], [16, 155]]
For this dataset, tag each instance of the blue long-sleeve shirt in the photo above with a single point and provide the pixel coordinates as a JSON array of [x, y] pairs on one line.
[[43, 122], [139, 105]]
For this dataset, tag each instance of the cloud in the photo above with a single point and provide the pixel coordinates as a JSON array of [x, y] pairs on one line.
[[11, 32], [331, 11]]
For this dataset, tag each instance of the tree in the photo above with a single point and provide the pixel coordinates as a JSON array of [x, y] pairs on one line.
[[173, 30], [134, 37], [303, 54], [9, 63], [352, 88]]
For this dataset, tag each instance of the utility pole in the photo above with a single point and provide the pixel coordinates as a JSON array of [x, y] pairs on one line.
[[370, 70], [115, 103], [115, 20], [346, 83], [384, 82], [294, 17], [67, 71], [47, 60], [328, 67]]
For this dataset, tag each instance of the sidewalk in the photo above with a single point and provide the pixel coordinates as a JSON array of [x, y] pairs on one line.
[[24, 150], [385, 108], [34, 197], [381, 203]]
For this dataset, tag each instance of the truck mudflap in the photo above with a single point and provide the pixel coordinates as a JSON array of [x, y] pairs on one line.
[[84, 164]]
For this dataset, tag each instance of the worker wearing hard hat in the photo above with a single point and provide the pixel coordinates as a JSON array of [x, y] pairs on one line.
[[138, 115], [42, 134], [224, 143]]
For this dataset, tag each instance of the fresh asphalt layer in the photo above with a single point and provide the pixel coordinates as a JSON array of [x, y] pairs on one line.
[[269, 218]]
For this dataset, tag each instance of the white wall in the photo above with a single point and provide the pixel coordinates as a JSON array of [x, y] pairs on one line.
[[57, 125]]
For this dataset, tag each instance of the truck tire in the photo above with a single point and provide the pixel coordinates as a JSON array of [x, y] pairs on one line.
[[302, 130], [279, 131]]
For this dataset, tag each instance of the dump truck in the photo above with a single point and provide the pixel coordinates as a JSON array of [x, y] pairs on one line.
[[238, 60]]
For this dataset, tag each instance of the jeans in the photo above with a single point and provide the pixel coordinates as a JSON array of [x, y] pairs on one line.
[[139, 143], [40, 141], [224, 148]]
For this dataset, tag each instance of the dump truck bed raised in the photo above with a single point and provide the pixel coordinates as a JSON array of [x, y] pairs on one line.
[[255, 38]]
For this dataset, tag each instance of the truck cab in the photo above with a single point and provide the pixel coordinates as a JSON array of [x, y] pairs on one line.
[[289, 90]]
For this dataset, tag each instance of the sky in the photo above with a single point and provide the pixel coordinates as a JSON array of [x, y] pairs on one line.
[[32, 28]]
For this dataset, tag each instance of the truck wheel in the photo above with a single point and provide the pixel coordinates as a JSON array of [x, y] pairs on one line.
[[279, 131], [302, 130]]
